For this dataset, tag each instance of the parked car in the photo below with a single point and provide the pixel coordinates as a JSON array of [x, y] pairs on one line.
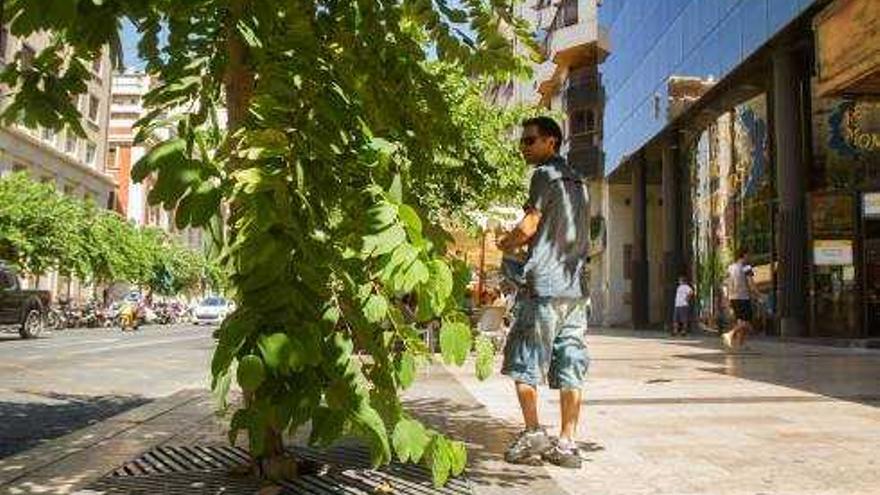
[[24, 310], [211, 310]]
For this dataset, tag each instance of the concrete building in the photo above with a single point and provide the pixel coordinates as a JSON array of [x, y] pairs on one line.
[[746, 124], [568, 82], [75, 165], [126, 109]]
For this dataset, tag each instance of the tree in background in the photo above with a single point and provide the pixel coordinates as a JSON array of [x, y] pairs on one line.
[[351, 129], [42, 230]]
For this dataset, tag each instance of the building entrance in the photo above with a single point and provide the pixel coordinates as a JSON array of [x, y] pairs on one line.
[[872, 276]]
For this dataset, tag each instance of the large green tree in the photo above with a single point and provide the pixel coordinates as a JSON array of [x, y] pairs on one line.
[[343, 141]]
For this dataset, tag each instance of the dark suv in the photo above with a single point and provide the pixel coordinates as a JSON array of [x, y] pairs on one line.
[[20, 309]]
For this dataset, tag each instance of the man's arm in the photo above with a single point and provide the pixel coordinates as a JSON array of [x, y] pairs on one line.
[[522, 233]]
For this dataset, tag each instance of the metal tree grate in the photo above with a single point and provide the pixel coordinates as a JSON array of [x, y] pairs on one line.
[[206, 470]]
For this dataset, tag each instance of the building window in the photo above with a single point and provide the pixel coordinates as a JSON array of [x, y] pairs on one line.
[[19, 167], [68, 190], [48, 135], [91, 152], [94, 104], [111, 158], [582, 122], [566, 15], [111, 200], [70, 142], [27, 55], [627, 261]]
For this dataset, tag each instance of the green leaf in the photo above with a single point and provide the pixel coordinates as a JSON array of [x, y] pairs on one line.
[[485, 351], [455, 342], [438, 288], [169, 153], [410, 439], [457, 457], [251, 373], [375, 308], [441, 459], [275, 349], [395, 192], [384, 242], [411, 220], [371, 427], [406, 370], [381, 216], [328, 425], [408, 278]]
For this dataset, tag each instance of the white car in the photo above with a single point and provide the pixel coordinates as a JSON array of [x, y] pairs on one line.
[[212, 311]]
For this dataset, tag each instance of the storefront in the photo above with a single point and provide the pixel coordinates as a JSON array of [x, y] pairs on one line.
[[845, 189]]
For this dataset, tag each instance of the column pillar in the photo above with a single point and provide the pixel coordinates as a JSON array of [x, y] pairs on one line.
[[640, 308], [672, 255], [791, 187]]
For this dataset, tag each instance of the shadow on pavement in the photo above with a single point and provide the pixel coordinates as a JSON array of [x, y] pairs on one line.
[[832, 372], [42, 416]]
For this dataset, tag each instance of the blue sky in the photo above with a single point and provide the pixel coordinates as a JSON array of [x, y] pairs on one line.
[[130, 39]]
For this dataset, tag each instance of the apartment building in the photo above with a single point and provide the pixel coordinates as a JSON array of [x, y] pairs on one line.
[[126, 108], [73, 164]]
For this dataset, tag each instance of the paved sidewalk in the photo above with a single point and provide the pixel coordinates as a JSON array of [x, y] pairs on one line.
[[681, 417], [661, 416]]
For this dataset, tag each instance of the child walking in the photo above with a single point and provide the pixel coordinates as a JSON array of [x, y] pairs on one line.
[[681, 318]]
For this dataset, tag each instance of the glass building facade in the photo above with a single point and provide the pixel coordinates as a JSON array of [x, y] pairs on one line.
[[653, 40], [729, 98]]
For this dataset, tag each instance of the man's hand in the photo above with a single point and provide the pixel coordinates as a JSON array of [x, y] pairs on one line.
[[522, 233]]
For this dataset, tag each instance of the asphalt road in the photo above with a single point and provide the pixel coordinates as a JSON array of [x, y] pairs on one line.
[[66, 380]]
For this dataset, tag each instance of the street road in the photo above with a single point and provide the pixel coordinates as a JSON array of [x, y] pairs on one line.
[[69, 379]]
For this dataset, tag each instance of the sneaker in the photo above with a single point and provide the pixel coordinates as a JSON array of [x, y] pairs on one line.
[[566, 456], [528, 447]]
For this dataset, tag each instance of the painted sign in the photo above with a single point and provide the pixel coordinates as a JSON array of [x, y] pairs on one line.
[[871, 205], [832, 253]]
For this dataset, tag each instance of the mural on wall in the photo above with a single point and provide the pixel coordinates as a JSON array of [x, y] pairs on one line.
[[732, 198], [847, 143], [755, 194]]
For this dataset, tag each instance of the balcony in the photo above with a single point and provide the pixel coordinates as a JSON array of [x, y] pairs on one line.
[[587, 95], [585, 157], [574, 36]]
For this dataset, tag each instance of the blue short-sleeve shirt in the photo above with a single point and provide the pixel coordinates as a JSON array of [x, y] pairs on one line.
[[559, 251]]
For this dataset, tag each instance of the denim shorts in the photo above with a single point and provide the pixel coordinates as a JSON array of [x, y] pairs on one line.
[[546, 343]]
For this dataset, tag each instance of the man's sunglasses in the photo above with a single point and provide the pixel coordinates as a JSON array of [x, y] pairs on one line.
[[527, 141]]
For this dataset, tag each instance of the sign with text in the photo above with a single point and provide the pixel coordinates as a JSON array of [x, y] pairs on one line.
[[871, 205], [832, 253]]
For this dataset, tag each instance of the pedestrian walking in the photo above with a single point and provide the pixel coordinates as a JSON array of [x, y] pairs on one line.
[[546, 342], [739, 296], [681, 318]]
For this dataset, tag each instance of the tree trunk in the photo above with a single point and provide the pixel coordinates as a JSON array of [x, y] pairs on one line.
[[239, 85]]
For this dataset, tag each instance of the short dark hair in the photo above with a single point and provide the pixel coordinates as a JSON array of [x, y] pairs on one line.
[[741, 253], [547, 127]]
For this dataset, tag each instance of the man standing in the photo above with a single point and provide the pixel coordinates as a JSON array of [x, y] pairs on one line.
[[739, 293], [546, 342]]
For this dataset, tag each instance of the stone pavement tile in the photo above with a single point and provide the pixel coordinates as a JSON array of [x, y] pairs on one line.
[[680, 417]]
